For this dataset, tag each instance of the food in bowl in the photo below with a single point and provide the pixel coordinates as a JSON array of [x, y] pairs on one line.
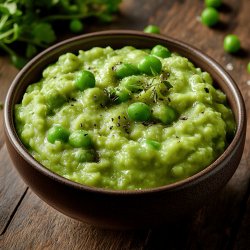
[[124, 119]]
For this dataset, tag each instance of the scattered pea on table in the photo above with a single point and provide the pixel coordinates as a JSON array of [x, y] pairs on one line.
[[231, 43], [213, 3], [152, 29], [209, 16]]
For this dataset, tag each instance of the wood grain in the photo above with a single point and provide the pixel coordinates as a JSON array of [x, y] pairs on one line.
[[7, 74], [41, 227], [12, 189], [224, 223]]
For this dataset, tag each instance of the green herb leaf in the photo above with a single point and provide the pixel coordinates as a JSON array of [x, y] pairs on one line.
[[43, 33], [32, 23]]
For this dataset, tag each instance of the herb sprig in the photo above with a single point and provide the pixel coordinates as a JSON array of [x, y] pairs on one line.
[[28, 26]]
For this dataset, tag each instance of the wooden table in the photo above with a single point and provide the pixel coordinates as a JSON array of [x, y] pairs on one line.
[[26, 222]]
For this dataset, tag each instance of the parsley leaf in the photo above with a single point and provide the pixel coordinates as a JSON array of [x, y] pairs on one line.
[[32, 23]]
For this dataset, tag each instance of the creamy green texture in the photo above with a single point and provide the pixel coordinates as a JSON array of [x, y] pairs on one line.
[[125, 154]]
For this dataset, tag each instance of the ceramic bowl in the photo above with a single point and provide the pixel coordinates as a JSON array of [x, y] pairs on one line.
[[124, 209]]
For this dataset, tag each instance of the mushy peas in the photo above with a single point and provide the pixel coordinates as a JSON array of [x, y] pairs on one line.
[[124, 119]]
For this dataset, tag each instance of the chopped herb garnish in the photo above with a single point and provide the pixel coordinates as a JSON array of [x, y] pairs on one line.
[[168, 84]]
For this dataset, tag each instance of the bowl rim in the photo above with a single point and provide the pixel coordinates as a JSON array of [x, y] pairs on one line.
[[213, 167]]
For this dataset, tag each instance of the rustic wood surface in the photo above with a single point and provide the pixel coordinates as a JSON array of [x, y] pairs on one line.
[[26, 222]]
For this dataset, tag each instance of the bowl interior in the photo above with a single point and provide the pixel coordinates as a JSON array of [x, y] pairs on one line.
[[117, 39]]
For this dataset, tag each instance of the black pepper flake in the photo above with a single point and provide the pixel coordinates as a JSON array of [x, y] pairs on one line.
[[101, 105], [112, 119], [207, 90], [126, 128], [119, 117], [160, 99], [169, 99], [125, 117], [202, 112], [81, 125], [94, 125], [184, 118], [118, 124], [71, 104], [85, 134], [110, 127], [145, 123]]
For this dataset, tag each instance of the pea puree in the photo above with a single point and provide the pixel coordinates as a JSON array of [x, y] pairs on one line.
[[124, 119]]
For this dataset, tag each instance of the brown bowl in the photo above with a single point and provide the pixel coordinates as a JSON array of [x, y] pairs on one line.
[[124, 209]]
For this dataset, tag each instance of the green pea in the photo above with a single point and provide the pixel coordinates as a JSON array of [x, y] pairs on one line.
[[213, 3], [152, 29], [161, 51], [248, 67], [154, 144], [122, 95], [57, 133], [125, 69], [170, 115], [150, 65], [80, 139], [178, 171], [133, 84], [55, 100], [85, 155], [139, 111], [76, 25], [209, 16], [231, 43], [85, 80], [165, 114]]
